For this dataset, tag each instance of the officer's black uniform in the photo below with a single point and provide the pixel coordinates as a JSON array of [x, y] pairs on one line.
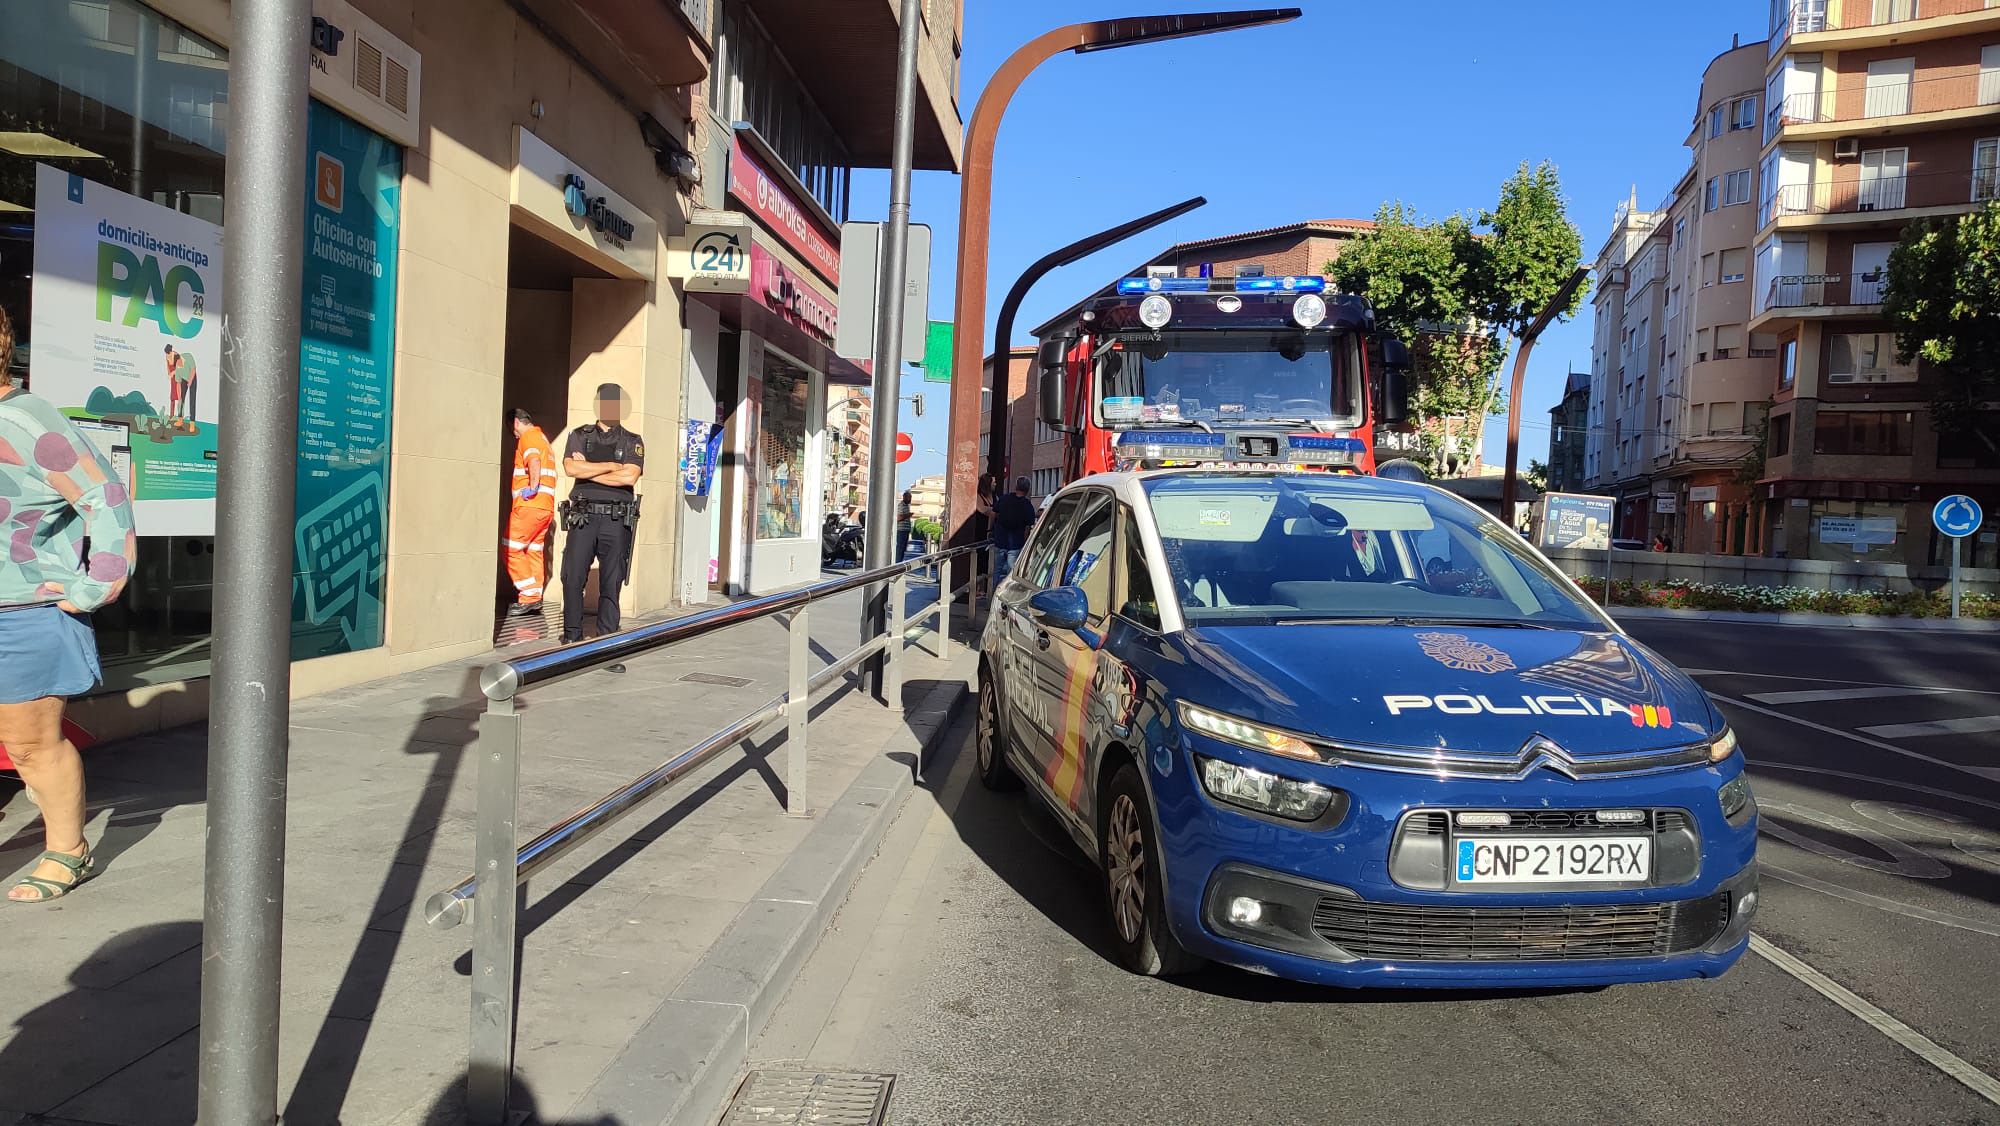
[[600, 524]]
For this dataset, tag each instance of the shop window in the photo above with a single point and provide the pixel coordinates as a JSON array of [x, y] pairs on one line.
[[1863, 432], [781, 451]]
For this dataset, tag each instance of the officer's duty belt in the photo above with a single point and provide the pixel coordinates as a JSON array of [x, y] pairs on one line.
[[605, 507]]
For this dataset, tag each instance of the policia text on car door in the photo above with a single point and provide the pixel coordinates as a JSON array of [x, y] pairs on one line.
[[602, 512]]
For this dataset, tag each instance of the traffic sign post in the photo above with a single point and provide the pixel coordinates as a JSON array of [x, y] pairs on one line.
[[1957, 516]]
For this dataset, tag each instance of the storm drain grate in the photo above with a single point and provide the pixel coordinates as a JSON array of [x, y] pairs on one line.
[[717, 678], [818, 1098]]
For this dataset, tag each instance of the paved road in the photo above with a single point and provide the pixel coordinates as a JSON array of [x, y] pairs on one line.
[[971, 960]]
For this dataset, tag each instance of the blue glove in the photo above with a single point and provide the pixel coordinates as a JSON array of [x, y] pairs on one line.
[[527, 493]]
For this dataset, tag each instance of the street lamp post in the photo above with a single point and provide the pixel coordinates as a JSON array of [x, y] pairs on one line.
[[975, 214]]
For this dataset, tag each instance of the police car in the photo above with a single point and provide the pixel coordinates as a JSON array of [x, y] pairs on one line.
[[1355, 731]]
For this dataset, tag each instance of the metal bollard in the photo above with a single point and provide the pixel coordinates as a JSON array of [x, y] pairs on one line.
[[496, 901], [943, 607], [798, 709], [892, 663]]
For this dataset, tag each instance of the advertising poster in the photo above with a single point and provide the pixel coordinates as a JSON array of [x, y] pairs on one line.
[[346, 350], [1573, 520], [127, 328], [699, 449]]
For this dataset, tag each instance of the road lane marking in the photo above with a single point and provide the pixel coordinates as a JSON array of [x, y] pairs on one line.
[[1824, 695], [1991, 774], [1969, 725], [1925, 1048], [1880, 903], [1834, 680]]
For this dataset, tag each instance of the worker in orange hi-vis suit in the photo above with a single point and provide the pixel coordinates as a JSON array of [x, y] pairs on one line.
[[534, 507]]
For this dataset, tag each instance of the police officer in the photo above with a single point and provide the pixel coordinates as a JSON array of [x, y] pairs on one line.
[[605, 460]]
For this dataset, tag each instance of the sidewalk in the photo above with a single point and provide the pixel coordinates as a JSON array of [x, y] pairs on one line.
[[101, 1004], [1800, 618]]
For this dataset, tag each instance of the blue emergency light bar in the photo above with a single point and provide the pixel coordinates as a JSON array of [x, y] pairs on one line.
[[1308, 283], [1325, 442]]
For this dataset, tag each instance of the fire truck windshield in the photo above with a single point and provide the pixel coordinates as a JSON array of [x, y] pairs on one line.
[[1229, 378]]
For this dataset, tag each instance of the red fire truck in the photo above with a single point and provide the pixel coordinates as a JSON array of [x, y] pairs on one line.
[[1255, 370]]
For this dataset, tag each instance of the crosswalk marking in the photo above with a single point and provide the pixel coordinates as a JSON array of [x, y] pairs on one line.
[[1969, 725], [1823, 695]]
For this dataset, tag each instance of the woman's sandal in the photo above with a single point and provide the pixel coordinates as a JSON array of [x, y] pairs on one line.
[[81, 868]]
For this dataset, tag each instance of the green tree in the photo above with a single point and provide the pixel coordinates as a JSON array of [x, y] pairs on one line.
[[1537, 476], [1942, 298], [1458, 287]]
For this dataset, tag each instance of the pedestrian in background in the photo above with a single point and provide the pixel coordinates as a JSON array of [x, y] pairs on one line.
[[1012, 516], [58, 495], [903, 527], [531, 508]]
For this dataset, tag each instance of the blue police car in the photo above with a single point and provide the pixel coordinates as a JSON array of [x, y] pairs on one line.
[[1355, 731]]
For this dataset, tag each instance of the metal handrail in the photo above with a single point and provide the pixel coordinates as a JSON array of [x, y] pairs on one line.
[[493, 904]]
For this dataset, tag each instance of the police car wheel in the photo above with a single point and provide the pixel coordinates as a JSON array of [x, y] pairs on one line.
[[1132, 884], [990, 754]]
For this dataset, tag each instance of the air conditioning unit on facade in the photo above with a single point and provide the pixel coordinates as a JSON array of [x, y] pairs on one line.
[[381, 77], [1846, 148]]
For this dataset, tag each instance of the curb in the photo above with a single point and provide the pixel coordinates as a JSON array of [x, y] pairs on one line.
[[1819, 621], [682, 1065]]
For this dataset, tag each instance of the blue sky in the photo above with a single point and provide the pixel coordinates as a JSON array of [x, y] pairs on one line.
[[1430, 101]]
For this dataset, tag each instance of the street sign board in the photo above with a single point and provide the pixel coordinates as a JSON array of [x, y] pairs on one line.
[[1957, 515], [937, 352], [712, 257], [1575, 520], [860, 263], [904, 447]]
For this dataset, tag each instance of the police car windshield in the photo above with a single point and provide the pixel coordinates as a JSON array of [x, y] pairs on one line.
[[1229, 377], [1250, 549]]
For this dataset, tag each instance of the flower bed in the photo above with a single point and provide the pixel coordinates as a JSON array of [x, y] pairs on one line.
[[1680, 594]]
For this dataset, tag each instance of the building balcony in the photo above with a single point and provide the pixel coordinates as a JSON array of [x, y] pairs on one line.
[[845, 56], [1879, 200], [1848, 25], [1881, 109], [1801, 296], [669, 41]]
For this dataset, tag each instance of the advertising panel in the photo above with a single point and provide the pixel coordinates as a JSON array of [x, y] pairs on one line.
[[127, 327], [1575, 520], [346, 359], [773, 202]]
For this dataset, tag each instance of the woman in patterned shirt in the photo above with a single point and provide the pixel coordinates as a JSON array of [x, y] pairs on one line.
[[57, 495]]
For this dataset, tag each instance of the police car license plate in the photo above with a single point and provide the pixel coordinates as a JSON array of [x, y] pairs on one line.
[[1552, 860]]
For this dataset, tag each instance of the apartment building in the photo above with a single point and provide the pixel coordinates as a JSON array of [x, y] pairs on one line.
[[1879, 112], [1569, 422], [1629, 314], [1715, 368], [849, 431]]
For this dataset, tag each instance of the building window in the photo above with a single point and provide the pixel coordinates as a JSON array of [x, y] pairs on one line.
[[1680, 231], [1986, 163], [1866, 357], [1864, 432], [1781, 435], [1788, 364], [753, 83], [1734, 263], [1711, 196], [1743, 113], [1736, 188], [1707, 270], [1716, 122], [1977, 446]]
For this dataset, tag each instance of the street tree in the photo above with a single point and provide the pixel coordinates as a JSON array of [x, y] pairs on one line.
[[1457, 289], [1942, 298]]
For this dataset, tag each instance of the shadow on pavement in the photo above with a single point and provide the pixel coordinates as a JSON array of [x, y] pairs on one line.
[[330, 1064], [58, 1050], [522, 1109]]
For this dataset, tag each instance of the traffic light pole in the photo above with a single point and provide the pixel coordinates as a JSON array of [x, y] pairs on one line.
[[243, 896]]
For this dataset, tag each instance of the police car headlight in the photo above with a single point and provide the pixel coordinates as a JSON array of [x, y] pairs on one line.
[[1263, 791], [1246, 734], [1156, 311], [1309, 310], [1723, 747]]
